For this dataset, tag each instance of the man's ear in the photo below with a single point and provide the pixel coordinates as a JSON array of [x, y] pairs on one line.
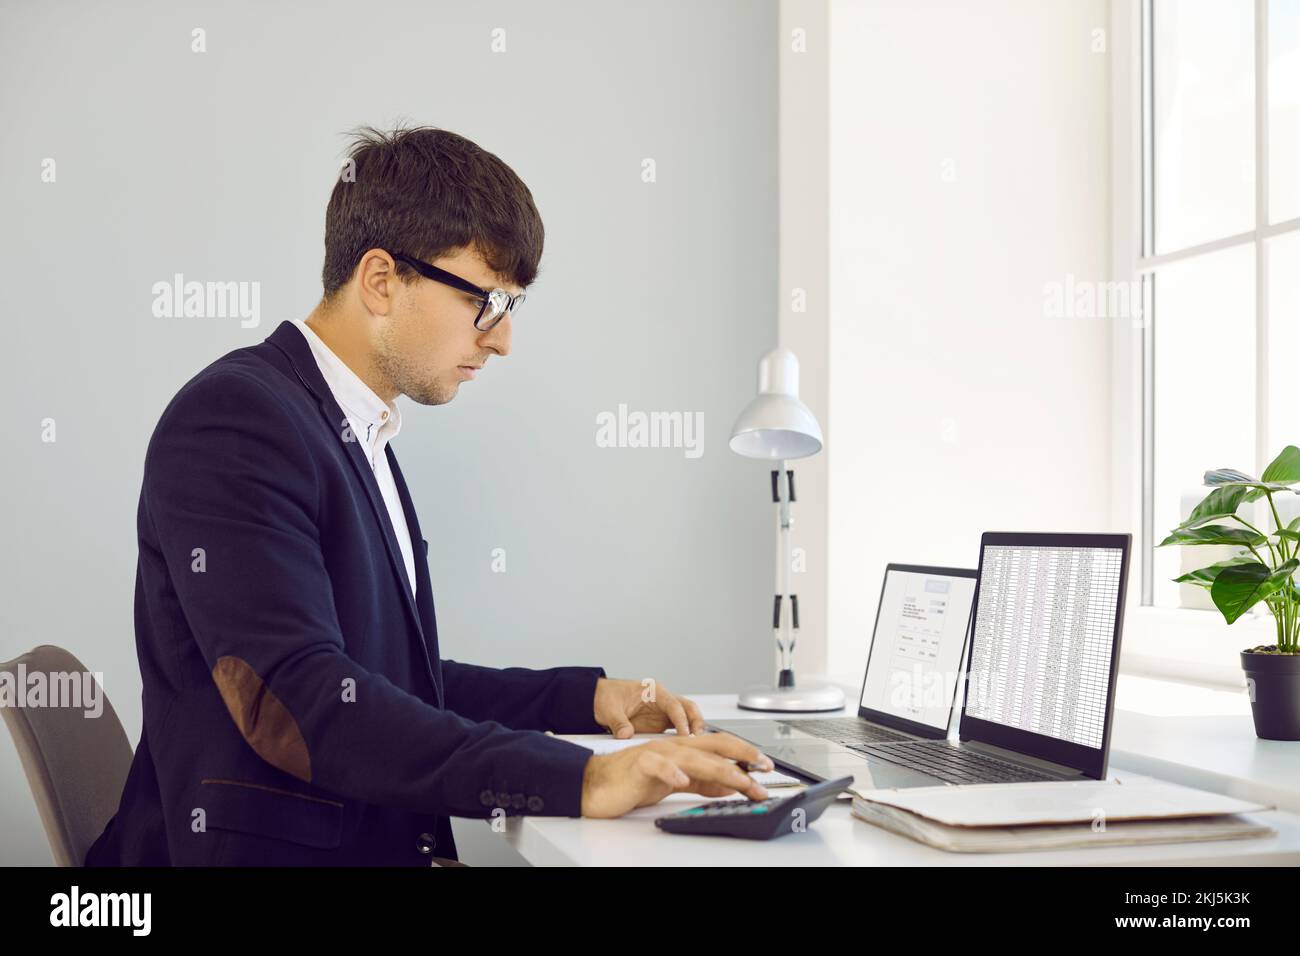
[[377, 281]]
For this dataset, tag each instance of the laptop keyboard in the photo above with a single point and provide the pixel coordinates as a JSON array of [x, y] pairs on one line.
[[846, 730], [951, 764], [935, 757]]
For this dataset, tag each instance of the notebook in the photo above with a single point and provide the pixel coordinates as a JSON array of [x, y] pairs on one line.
[[1049, 836], [987, 818], [1130, 797]]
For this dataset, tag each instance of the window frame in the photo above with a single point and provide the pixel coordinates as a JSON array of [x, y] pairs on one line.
[[1182, 643]]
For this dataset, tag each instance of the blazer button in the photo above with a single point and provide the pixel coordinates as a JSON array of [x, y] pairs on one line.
[[535, 803], [486, 798], [425, 843], [518, 801]]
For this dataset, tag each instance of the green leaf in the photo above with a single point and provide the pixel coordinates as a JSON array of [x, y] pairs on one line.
[[1285, 467], [1281, 473], [1258, 488], [1236, 590], [1288, 534], [1226, 476], [1205, 576], [1215, 534], [1222, 502]]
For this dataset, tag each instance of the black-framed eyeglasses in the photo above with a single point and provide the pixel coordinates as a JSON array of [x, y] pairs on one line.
[[494, 302]]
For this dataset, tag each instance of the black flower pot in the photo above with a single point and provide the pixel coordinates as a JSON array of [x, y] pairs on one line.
[[1273, 681]]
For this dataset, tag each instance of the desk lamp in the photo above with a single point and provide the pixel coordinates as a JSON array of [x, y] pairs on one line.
[[776, 427]]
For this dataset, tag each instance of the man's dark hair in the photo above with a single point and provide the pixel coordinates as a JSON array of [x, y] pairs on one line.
[[425, 192]]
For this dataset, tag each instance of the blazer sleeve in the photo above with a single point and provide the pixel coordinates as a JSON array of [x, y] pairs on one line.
[[229, 472], [560, 699]]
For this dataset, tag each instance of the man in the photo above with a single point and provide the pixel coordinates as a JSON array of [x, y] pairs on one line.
[[296, 708]]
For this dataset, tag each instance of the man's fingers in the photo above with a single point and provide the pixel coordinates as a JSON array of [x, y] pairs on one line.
[[706, 768], [694, 715], [677, 714], [728, 745], [663, 769]]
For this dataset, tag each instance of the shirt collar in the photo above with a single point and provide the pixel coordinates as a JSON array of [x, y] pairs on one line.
[[354, 396]]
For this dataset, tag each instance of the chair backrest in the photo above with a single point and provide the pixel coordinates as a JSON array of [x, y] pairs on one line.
[[76, 764]]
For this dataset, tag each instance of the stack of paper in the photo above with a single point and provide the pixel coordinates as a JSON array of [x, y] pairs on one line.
[[1039, 816]]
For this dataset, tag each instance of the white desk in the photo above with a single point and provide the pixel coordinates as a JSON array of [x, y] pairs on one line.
[[1164, 746]]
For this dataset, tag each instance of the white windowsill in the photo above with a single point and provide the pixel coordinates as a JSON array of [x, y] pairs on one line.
[[1191, 645]]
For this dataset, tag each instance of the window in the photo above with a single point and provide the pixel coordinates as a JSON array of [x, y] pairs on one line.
[[1214, 156]]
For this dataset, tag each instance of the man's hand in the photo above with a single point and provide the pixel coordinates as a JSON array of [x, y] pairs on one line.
[[617, 782], [627, 707]]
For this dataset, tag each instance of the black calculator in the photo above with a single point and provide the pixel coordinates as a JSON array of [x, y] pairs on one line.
[[757, 819]]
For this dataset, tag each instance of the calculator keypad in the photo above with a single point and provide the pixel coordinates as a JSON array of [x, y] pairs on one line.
[[731, 808]]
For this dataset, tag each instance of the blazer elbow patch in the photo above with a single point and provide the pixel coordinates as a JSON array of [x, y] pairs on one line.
[[264, 721]]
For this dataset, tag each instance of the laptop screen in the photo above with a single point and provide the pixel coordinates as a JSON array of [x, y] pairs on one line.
[[1045, 643], [916, 647]]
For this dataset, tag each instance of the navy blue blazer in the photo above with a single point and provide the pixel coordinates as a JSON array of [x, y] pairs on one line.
[[296, 709]]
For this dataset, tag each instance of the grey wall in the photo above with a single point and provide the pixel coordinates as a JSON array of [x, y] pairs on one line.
[[218, 165]]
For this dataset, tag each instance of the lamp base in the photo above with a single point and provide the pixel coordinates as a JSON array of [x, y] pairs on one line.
[[811, 699]]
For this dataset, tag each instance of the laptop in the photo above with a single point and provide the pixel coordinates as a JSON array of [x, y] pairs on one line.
[[1044, 614]]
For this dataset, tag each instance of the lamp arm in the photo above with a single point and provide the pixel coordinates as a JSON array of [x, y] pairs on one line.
[[785, 639]]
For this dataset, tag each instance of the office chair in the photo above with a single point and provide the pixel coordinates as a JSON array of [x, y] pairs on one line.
[[75, 765]]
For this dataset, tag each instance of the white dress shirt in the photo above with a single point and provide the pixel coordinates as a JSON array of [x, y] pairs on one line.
[[374, 423]]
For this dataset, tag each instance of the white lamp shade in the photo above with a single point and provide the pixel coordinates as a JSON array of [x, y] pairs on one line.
[[776, 424]]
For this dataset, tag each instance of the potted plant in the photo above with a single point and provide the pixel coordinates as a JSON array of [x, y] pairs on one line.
[[1262, 572]]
